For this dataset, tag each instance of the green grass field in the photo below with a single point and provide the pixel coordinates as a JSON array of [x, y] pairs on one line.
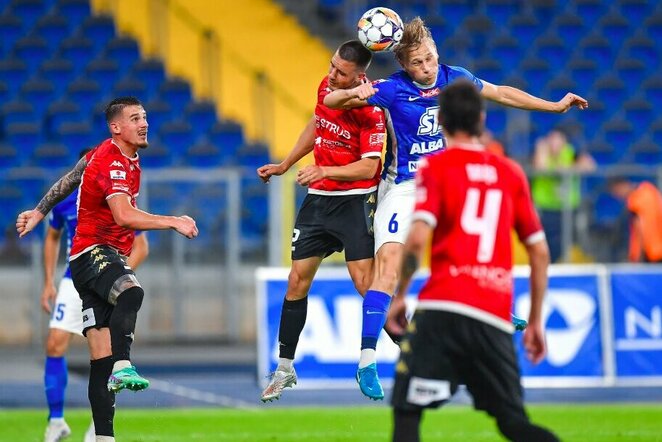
[[456, 423]]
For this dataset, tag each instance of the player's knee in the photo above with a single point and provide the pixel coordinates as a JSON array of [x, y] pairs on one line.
[[56, 346], [131, 298], [298, 285]]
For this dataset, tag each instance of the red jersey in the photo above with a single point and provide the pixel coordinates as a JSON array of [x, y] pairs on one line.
[[473, 199], [344, 136], [108, 173]]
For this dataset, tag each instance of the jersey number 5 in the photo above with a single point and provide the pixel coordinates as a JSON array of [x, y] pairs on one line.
[[484, 226]]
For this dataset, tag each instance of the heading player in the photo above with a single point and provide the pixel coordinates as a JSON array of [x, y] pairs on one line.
[[410, 98], [338, 210]]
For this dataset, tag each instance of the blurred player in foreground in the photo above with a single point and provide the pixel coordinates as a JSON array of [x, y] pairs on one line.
[[65, 307], [109, 179], [338, 210], [410, 97], [467, 202]]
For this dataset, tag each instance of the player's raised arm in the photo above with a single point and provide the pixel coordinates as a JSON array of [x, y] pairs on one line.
[[513, 97], [27, 220], [304, 145], [350, 98]]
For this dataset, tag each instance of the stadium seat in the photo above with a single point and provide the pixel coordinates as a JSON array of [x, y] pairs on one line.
[[603, 153], [201, 115], [86, 93], [456, 48], [105, 72], [176, 91], [570, 28], [130, 87], [616, 28], [597, 48], [100, 29], [506, 50], [652, 88], [11, 30], [24, 136], [590, 11], [78, 50], [60, 72], [537, 73], [653, 26], [60, 111], [53, 29], [559, 86], [33, 51], [656, 131], [595, 114], [552, 49], [8, 157], [636, 11], [632, 72], [644, 49], [4, 93], [28, 11], [640, 113], [496, 119], [177, 137], [489, 69], [158, 112], [478, 28], [647, 152], [204, 154], [583, 72], [254, 155], [11, 201], [17, 111], [611, 91], [76, 11], [229, 137], [155, 156], [76, 135], [500, 11], [454, 11], [13, 72], [619, 133], [124, 51], [152, 73], [53, 155], [39, 92]]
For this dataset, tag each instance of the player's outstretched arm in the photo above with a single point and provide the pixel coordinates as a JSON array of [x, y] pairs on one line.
[[363, 169], [513, 97], [349, 98], [534, 336], [51, 251], [127, 216], [27, 220], [304, 145]]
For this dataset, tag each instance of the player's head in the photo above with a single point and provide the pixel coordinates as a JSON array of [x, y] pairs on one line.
[[127, 121], [620, 186], [461, 109], [348, 65], [417, 53]]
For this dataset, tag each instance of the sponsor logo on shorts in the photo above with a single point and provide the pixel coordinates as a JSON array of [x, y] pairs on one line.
[[88, 318], [426, 391]]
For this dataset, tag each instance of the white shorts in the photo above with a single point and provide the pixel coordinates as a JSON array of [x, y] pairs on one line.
[[68, 309], [395, 205]]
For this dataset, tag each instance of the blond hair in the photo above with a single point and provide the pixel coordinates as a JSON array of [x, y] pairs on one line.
[[414, 34]]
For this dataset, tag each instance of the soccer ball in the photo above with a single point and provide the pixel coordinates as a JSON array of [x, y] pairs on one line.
[[380, 29]]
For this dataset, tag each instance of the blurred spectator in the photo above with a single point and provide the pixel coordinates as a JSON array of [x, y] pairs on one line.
[[644, 204], [553, 155], [491, 144]]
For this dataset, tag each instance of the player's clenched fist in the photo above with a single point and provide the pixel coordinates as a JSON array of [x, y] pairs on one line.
[[27, 221], [185, 225], [364, 91]]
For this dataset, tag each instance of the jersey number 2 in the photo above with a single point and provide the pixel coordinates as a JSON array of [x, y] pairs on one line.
[[484, 226]]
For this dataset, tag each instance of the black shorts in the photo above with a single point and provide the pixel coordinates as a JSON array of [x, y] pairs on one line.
[[443, 350], [100, 275], [327, 224]]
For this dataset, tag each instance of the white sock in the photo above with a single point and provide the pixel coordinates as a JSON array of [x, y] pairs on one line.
[[368, 356], [56, 420], [105, 439], [285, 364], [119, 365]]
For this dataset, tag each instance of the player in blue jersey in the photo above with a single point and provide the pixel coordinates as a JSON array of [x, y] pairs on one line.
[[409, 98], [65, 307]]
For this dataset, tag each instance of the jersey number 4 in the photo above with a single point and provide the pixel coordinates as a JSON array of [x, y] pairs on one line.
[[484, 226]]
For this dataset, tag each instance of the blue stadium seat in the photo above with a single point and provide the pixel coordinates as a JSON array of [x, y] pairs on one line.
[[176, 91], [656, 131], [155, 156], [611, 91], [456, 48], [11, 30], [53, 155], [4, 93], [24, 136], [201, 115], [33, 51], [13, 72], [647, 152], [254, 155], [76, 11], [553, 50], [59, 112], [506, 50], [478, 28], [643, 48], [152, 73], [454, 11], [496, 119], [652, 89], [543, 9], [640, 113], [583, 72], [616, 28], [17, 111], [632, 72], [78, 50], [590, 10], [28, 11], [229, 136], [635, 10], [537, 73], [8, 157], [11, 201], [39, 92], [500, 11], [105, 72], [60, 71], [53, 29], [177, 137], [602, 152], [100, 29], [124, 51], [130, 87], [653, 26], [158, 113], [86, 93], [559, 86], [597, 48], [76, 135], [571, 28], [595, 114], [620, 135], [489, 70], [204, 154]]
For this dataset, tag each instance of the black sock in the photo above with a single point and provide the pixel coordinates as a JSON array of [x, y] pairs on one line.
[[521, 429], [292, 320], [406, 425], [123, 322], [102, 401]]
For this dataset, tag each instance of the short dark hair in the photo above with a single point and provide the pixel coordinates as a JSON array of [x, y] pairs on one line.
[[116, 106], [354, 52], [460, 108]]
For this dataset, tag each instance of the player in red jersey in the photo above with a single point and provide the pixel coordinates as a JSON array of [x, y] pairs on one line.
[[109, 179], [338, 210], [468, 201]]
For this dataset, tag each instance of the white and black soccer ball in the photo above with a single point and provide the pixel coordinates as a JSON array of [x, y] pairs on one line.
[[380, 29]]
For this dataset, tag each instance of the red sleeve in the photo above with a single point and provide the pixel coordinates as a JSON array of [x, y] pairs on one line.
[[112, 177], [527, 223], [373, 131], [428, 189], [323, 90]]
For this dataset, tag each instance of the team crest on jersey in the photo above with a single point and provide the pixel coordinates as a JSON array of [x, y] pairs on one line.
[[117, 164], [428, 124], [117, 175]]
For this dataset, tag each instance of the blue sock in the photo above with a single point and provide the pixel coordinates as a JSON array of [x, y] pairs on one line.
[[375, 307], [55, 382]]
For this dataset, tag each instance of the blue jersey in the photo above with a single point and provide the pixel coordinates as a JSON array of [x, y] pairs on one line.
[[411, 111], [65, 216]]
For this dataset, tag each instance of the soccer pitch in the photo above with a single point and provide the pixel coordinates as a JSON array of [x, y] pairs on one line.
[[602, 423]]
